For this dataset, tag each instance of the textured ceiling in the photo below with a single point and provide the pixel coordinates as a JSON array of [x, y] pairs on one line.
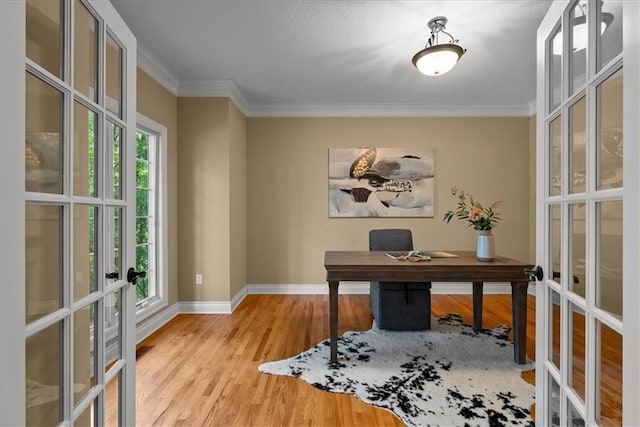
[[324, 55]]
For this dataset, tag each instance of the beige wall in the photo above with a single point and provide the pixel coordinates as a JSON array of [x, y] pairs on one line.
[[160, 105], [238, 198], [204, 186], [532, 189], [288, 224]]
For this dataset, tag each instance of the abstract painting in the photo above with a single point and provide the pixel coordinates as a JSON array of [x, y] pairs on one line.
[[380, 182]]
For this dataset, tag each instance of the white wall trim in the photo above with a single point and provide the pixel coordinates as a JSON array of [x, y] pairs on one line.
[[204, 307], [350, 288], [387, 110], [321, 289], [238, 298], [157, 322], [215, 88], [533, 107], [152, 66], [229, 89]]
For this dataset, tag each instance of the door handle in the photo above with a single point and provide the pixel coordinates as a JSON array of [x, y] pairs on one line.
[[534, 273], [133, 275], [114, 275]]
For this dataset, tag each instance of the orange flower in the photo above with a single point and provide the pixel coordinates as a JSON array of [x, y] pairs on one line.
[[476, 214]]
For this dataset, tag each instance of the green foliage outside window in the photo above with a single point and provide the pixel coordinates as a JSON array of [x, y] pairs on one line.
[[142, 214], [143, 250]]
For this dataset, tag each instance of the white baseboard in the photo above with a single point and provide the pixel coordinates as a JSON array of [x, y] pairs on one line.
[[238, 298], [350, 288], [156, 323], [205, 307], [292, 289]]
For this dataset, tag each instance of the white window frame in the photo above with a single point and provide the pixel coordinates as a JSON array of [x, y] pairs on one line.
[[160, 300]]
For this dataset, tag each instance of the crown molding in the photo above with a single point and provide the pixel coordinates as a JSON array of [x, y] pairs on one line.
[[387, 110], [214, 88], [227, 88], [152, 66], [533, 108]]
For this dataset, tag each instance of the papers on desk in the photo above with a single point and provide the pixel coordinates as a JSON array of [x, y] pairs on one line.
[[420, 256], [413, 256], [440, 254]]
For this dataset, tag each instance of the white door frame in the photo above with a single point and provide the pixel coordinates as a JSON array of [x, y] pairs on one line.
[[12, 210], [127, 396], [631, 207], [631, 219], [12, 176]]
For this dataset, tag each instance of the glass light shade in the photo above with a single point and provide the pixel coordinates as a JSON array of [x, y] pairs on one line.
[[437, 60], [580, 33]]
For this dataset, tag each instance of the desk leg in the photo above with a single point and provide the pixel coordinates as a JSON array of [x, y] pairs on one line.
[[333, 319], [477, 306], [519, 313]]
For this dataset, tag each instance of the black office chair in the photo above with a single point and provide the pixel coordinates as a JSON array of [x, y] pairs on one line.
[[398, 306]]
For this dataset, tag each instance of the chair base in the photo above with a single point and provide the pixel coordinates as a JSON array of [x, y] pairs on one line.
[[406, 307]]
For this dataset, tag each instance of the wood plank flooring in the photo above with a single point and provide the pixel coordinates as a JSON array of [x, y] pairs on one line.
[[201, 370]]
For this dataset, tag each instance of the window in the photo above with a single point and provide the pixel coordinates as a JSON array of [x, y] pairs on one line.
[[151, 221]]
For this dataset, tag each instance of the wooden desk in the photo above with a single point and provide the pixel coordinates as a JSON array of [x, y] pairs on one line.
[[376, 267]]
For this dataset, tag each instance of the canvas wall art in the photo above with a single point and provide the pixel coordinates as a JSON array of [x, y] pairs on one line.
[[380, 182]]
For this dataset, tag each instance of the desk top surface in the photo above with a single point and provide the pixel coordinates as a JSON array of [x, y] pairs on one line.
[[376, 266]]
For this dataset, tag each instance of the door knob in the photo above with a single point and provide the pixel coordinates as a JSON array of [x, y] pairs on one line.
[[534, 273], [133, 275]]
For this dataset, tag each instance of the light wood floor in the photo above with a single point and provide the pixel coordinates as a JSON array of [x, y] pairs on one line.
[[202, 369]]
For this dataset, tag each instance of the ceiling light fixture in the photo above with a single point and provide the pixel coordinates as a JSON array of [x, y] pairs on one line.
[[581, 30], [436, 59]]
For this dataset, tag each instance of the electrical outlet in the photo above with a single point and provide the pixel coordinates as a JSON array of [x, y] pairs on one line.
[[198, 279]]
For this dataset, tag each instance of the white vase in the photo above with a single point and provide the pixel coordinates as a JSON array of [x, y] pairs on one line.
[[486, 249]]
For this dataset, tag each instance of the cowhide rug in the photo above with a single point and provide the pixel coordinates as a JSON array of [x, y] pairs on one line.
[[448, 376]]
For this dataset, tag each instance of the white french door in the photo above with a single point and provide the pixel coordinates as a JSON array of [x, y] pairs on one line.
[[72, 309], [588, 193]]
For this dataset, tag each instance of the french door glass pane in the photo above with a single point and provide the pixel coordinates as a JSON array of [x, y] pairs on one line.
[[44, 34], [610, 34], [85, 152], [577, 278], [554, 402], [112, 404], [609, 377], [555, 157], [44, 377], [43, 147], [43, 260], [142, 202], [610, 136], [555, 69], [578, 146], [113, 218], [577, 360], [84, 355], [85, 255], [113, 76], [113, 332], [555, 344], [142, 264], [609, 255], [88, 417], [114, 150], [574, 418], [578, 51], [85, 45], [555, 238]]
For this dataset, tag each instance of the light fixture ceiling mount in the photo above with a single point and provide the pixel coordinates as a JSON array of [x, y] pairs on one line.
[[436, 59]]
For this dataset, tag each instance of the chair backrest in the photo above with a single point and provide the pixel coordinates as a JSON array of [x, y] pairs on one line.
[[390, 240]]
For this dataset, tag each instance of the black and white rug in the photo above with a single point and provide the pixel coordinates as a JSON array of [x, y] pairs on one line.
[[448, 376]]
